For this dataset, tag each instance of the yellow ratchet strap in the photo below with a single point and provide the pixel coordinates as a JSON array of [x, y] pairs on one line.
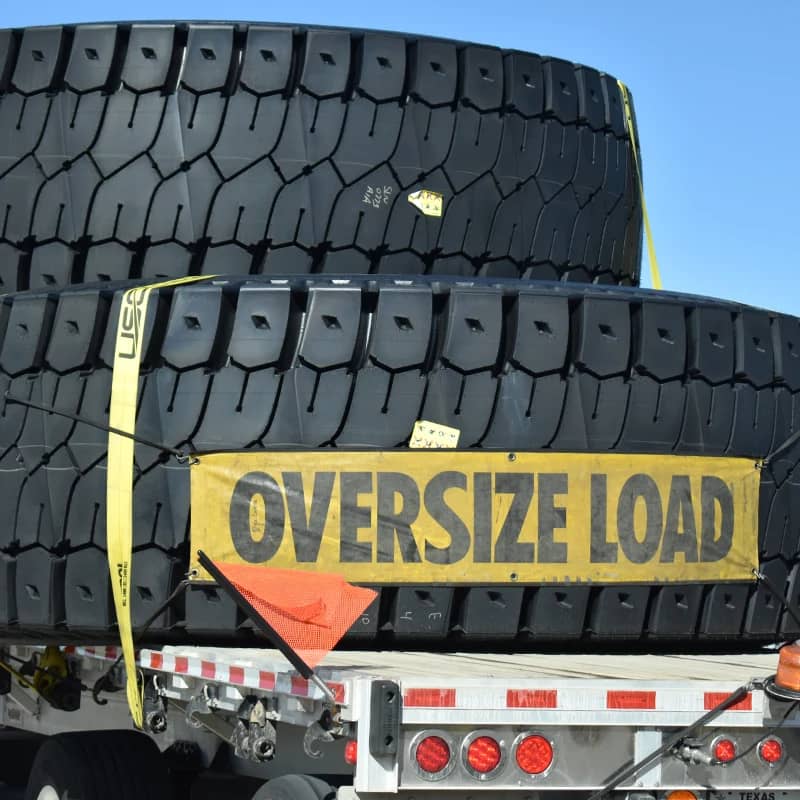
[[655, 272], [119, 483]]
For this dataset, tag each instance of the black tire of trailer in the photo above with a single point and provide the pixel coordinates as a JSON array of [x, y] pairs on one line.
[[157, 150], [268, 364], [295, 787], [18, 750], [99, 765]]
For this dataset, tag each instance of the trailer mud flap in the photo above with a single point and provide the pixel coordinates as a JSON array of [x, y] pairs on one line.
[[472, 517]]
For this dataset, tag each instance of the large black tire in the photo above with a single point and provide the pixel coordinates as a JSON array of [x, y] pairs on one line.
[[160, 149], [99, 765], [522, 366], [295, 787]]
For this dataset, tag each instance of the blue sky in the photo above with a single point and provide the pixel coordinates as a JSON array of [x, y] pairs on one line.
[[717, 94]]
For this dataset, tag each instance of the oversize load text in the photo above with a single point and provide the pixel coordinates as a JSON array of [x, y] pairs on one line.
[[589, 520]]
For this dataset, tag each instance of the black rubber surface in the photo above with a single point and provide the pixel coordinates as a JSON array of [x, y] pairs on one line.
[[267, 363], [171, 149], [98, 765]]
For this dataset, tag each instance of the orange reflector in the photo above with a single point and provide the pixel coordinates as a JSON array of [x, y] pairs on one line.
[[724, 751], [534, 754], [788, 674], [484, 754], [351, 752], [681, 794], [433, 754], [771, 750]]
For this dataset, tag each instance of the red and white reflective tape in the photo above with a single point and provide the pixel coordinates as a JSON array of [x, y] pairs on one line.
[[246, 676], [574, 697]]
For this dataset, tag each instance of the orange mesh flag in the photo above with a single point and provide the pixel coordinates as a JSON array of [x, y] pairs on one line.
[[310, 611]]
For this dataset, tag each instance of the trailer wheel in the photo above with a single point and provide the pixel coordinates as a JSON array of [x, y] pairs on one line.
[[294, 787], [98, 765]]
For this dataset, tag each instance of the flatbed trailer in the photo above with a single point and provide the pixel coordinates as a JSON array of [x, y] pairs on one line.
[[413, 725]]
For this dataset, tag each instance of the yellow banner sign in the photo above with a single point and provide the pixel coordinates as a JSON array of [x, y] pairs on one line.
[[480, 517]]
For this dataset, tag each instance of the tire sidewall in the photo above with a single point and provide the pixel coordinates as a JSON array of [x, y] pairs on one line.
[[55, 767]]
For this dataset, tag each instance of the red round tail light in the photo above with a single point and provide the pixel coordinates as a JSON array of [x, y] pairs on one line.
[[724, 751], [351, 752], [432, 754], [534, 754], [771, 750], [484, 754]]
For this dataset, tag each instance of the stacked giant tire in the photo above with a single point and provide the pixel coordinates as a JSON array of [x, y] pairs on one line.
[[287, 160]]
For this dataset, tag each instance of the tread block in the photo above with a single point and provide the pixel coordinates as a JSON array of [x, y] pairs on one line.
[[383, 408], [40, 589], [754, 348], [37, 59], [86, 519], [654, 416], [723, 612], [260, 326], [524, 83], [764, 610], [789, 628], [366, 626], [461, 401], [89, 603], [660, 340], [34, 522], [207, 58], [154, 576], [557, 612], [591, 101], [194, 321], [541, 335], [711, 343], [77, 328], [209, 608], [9, 46], [401, 327], [420, 612], [161, 507], [615, 113], [92, 55], [528, 411], [149, 56], [482, 77], [753, 421], [26, 333], [619, 612], [709, 418], [786, 346], [331, 326], [8, 590], [383, 66], [434, 72], [675, 611], [491, 612], [593, 413], [603, 336], [267, 59], [327, 63], [238, 409], [561, 90], [473, 329]]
